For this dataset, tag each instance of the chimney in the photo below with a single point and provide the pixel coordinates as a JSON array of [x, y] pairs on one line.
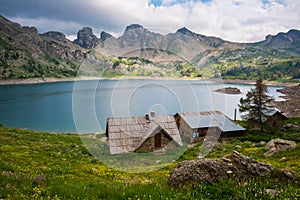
[[147, 117], [234, 114], [152, 114]]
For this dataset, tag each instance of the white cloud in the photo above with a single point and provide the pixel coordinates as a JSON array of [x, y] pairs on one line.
[[71, 37], [234, 20], [243, 21], [46, 24]]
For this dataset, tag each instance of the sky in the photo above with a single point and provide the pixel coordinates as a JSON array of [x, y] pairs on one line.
[[232, 20]]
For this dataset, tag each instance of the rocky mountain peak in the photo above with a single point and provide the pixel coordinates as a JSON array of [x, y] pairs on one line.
[[30, 29], [295, 34], [86, 30], [184, 31], [134, 26], [210, 41], [104, 35], [86, 38], [134, 33], [284, 40], [55, 35]]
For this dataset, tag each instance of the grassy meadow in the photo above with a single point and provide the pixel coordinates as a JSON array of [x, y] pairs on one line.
[[35, 165]]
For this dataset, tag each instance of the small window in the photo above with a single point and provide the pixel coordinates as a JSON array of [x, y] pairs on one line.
[[195, 135]]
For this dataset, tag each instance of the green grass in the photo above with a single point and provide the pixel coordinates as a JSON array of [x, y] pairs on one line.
[[112, 74], [36, 165]]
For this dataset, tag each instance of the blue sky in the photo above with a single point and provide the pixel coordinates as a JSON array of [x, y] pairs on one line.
[[158, 3], [234, 20]]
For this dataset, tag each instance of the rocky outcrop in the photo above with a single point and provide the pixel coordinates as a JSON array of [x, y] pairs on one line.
[[137, 35], [86, 38], [209, 41], [104, 36], [28, 54], [55, 35], [234, 166], [30, 29], [134, 26], [276, 145], [290, 107], [284, 40], [228, 90]]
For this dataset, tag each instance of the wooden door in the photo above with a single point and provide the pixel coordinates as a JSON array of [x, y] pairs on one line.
[[157, 140]]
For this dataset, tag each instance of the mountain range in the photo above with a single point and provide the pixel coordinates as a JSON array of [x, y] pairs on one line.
[[139, 52]]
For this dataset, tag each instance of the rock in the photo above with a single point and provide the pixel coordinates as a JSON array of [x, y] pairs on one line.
[[104, 36], [134, 26], [235, 153], [31, 29], [282, 159], [287, 173], [293, 126], [55, 35], [276, 145], [262, 142], [228, 90], [252, 145], [38, 180], [86, 38], [292, 104], [234, 166], [271, 192]]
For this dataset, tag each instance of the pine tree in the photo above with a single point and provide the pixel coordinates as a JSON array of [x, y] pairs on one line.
[[257, 104]]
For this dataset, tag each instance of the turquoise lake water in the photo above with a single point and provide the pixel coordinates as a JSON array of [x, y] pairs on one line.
[[83, 106]]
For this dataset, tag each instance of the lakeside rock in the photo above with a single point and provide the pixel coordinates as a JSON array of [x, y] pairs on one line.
[[229, 90], [291, 107], [234, 166], [276, 145]]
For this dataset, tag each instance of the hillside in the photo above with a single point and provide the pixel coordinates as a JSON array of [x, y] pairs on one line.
[[36, 165], [27, 54], [139, 52]]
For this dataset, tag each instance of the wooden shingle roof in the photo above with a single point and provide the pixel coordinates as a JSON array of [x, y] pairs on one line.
[[126, 134]]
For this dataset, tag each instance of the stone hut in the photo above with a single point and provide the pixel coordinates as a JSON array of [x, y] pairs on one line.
[[275, 120], [196, 125], [149, 133]]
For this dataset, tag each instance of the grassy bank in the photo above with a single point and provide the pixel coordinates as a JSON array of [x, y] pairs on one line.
[[36, 165]]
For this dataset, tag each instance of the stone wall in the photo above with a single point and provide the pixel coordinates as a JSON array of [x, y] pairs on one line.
[[148, 145], [184, 129], [275, 122]]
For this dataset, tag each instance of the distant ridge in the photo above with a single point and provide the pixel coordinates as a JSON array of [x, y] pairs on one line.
[[27, 54]]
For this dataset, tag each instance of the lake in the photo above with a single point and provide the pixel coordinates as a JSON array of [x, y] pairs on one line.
[[84, 106]]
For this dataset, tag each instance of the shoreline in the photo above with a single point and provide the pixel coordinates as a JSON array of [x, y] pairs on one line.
[[252, 82], [54, 80]]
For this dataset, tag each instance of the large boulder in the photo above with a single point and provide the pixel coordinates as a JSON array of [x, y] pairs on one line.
[[234, 166], [276, 145]]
